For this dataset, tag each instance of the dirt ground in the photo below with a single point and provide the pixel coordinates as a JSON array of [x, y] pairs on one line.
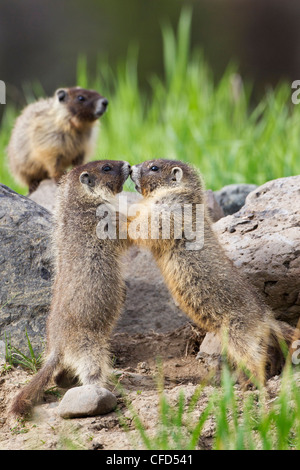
[[136, 359]]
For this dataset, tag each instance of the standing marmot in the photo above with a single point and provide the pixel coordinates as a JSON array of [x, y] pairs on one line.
[[88, 291], [204, 282], [53, 134]]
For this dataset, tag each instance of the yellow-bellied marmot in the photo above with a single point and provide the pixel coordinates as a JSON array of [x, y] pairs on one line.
[[53, 134], [88, 291], [204, 282]]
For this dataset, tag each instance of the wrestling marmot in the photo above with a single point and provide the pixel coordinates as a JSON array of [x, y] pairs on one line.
[[204, 282], [53, 134], [88, 291]]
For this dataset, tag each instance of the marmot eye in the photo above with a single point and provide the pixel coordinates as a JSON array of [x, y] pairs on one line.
[[81, 98], [154, 168], [106, 168]]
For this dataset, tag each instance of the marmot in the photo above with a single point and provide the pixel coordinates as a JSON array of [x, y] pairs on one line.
[[88, 290], [53, 134], [204, 282]]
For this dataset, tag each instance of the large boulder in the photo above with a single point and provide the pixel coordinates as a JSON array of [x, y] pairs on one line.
[[26, 268], [263, 240]]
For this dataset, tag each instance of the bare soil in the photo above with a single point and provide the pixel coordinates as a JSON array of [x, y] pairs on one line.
[[136, 359]]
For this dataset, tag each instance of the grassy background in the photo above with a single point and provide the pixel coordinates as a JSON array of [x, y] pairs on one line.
[[187, 116]]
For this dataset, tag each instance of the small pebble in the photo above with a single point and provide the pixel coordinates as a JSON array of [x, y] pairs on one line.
[[87, 400]]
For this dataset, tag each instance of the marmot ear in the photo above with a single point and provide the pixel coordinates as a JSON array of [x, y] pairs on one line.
[[177, 174], [61, 94], [87, 178]]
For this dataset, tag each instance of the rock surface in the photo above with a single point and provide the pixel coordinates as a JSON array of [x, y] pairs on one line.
[[149, 306], [87, 400], [214, 209], [210, 345], [263, 240], [26, 270], [231, 198], [44, 195], [2, 353]]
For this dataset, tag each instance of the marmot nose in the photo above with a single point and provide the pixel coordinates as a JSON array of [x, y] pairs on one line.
[[101, 106], [126, 168], [104, 102]]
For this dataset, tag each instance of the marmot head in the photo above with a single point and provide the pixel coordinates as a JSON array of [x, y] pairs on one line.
[[84, 105], [155, 174], [96, 182]]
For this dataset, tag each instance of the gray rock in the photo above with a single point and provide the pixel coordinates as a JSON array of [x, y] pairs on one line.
[[263, 240], [149, 306], [211, 344], [26, 269], [231, 198], [2, 353], [214, 209], [45, 193], [210, 353], [87, 400]]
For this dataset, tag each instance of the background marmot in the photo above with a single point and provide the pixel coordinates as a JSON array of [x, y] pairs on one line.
[[52, 134], [204, 282], [88, 291]]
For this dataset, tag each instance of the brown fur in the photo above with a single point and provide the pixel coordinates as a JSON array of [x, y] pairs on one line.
[[53, 134], [89, 291], [204, 282]]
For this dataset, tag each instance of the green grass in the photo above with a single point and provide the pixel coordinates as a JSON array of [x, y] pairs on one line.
[[187, 115], [15, 357], [249, 421]]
